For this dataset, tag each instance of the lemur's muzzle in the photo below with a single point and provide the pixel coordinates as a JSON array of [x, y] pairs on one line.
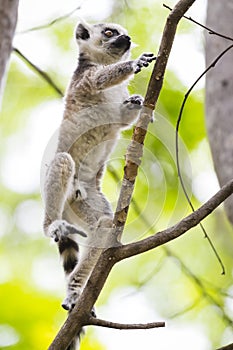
[[122, 42]]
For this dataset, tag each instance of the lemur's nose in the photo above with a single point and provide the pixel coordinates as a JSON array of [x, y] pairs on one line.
[[126, 37], [122, 42]]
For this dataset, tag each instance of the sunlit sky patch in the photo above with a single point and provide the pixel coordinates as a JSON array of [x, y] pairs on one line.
[[137, 309], [28, 217], [203, 173], [47, 275], [20, 166], [8, 336]]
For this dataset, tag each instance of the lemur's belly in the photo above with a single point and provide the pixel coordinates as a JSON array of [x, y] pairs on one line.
[[99, 142]]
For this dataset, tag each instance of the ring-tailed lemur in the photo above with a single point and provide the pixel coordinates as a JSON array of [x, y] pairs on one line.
[[97, 107]]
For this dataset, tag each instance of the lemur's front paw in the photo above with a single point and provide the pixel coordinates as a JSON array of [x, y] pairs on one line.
[[143, 61], [70, 301], [61, 228], [134, 102]]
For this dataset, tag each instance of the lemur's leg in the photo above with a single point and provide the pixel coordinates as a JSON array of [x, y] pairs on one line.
[[79, 276], [96, 212], [58, 186], [101, 239]]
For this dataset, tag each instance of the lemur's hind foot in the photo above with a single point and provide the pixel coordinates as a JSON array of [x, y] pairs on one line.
[[61, 228]]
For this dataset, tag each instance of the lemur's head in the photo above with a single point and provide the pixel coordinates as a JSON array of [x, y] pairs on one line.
[[103, 43]]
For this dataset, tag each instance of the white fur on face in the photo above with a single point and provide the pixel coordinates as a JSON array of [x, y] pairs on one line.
[[97, 48]]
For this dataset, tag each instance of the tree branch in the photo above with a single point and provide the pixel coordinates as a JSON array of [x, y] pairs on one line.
[[135, 148], [43, 74], [177, 230], [211, 31], [227, 347], [102, 323]]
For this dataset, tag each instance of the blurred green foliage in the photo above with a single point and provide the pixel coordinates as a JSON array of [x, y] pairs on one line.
[[181, 280]]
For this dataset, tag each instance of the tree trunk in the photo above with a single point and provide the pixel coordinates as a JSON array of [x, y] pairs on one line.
[[219, 93], [8, 20]]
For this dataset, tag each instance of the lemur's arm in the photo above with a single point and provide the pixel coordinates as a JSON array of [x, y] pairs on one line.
[[117, 73]]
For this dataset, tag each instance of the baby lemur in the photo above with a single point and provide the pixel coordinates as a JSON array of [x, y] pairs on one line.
[[97, 107]]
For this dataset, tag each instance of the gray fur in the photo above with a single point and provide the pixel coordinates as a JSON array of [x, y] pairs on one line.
[[97, 107]]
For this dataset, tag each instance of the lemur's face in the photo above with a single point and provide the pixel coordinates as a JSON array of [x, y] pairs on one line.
[[103, 43]]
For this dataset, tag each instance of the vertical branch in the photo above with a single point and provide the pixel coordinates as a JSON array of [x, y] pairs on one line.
[[135, 149]]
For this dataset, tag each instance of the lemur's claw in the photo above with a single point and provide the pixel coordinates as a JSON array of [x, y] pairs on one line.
[[137, 70], [93, 314], [134, 102], [143, 61], [65, 306], [70, 301]]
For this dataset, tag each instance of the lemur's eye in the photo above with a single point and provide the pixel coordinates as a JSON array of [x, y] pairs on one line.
[[108, 33]]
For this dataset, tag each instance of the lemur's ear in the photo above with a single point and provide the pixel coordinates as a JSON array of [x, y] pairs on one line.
[[82, 31]]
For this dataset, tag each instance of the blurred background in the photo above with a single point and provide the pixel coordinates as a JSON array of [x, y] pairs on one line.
[[180, 283]]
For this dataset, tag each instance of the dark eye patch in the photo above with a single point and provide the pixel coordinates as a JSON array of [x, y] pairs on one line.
[[114, 32]]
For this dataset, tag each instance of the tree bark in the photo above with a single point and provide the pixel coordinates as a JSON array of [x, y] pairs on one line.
[[219, 93], [8, 20]]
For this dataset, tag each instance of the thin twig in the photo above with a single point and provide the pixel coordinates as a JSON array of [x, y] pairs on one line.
[[102, 323], [43, 74], [177, 149], [211, 31], [47, 25]]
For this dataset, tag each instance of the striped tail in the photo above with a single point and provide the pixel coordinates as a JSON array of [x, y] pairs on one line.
[[69, 251]]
